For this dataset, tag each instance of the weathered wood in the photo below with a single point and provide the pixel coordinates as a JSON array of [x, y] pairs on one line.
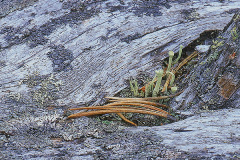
[[214, 82], [95, 46], [206, 134]]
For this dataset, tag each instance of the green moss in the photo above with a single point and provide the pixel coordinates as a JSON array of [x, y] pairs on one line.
[[216, 44], [106, 122]]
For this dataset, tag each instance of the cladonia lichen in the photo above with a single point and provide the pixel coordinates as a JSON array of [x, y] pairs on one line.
[[153, 87]]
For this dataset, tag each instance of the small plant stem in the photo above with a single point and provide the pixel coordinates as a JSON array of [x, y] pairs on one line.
[[186, 60], [149, 88], [179, 54]]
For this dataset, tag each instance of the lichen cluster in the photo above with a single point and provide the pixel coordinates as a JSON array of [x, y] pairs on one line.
[[154, 87], [43, 89], [234, 34]]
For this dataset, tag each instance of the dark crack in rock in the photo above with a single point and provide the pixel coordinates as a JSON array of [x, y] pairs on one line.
[[217, 82]]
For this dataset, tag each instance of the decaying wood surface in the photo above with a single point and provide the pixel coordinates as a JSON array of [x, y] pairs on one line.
[[94, 47], [214, 82]]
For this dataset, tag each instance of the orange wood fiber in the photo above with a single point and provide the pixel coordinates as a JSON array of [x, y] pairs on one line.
[[157, 110], [118, 110], [125, 105]]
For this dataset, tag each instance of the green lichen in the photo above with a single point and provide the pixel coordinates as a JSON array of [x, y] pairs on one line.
[[194, 15], [174, 89], [134, 87], [43, 88], [32, 80], [47, 91], [172, 78], [159, 75], [236, 18], [234, 34], [155, 85], [179, 54], [171, 54], [215, 51], [149, 88], [216, 44], [15, 96]]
